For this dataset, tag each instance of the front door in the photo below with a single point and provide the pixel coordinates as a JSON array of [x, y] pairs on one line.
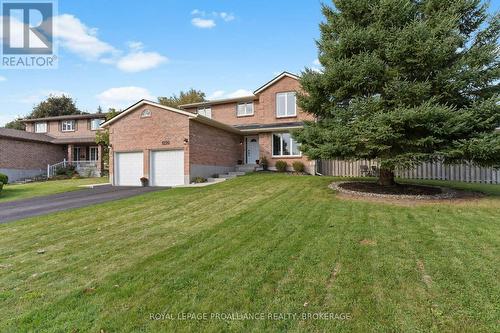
[[252, 149]]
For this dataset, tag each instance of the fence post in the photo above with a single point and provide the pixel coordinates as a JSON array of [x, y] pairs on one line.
[[48, 171]]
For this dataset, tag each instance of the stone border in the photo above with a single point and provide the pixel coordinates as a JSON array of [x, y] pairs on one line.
[[447, 193]]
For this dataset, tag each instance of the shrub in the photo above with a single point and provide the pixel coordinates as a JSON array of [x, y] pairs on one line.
[[199, 180], [67, 171], [1, 186], [4, 178], [281, 166], [264, 163], [298, 166]]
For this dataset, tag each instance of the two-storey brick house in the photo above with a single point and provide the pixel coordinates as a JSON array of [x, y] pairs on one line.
[[75, 132], [172, 146], [48, 141]]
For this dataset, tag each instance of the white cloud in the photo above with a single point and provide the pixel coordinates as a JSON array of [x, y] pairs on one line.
[[122, 97], [134, 45], [226, 17], [216, 95], [203, 23], [137, 61], [207, 21], [3, 78], [221, 94], [80, 39]]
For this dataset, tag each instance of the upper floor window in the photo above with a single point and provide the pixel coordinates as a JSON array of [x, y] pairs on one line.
[[68, 125], [206, 111], [286, 104], [146, 113], [244, 109], [95, 123], [41, 127]]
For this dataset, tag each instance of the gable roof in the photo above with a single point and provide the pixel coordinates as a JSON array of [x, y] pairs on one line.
[[141, 103], [273, 81], [219, 101], [23, 135]]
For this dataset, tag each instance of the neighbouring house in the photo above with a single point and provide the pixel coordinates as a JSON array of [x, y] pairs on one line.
[[173, 146], [50, 141]]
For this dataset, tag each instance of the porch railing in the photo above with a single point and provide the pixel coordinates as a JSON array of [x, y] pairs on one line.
[[84, 168]]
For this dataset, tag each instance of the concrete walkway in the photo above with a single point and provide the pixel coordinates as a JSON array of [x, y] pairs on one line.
[[15, 210]]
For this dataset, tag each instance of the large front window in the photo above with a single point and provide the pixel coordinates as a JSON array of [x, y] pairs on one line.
[[41, 127], [285, 145], [68, 126], [206, 112], [286, 105]]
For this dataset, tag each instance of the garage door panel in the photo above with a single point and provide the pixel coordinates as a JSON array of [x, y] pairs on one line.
[[167, 167], [129, 168]]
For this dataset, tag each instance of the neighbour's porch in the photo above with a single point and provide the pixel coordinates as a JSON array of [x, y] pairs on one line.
[[87, 158]]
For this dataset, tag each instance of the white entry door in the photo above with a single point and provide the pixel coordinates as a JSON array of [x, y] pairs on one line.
[[129, 168], [252, 149], [167, 168]]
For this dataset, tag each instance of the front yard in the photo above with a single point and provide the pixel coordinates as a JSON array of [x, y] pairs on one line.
[[30, 190], [272, 244]]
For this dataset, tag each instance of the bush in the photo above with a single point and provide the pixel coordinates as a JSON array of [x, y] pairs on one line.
[[4, 178], [281, 166], [298, 166], [67, 171], [1, 186], [199, 180]]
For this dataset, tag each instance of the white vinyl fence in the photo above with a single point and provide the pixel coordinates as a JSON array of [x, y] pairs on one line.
[[437, 170]]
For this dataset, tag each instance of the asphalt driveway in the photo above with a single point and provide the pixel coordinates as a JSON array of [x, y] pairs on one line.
[[15, 210]]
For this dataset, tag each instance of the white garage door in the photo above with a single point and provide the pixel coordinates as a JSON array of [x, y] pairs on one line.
[[167, 168], [128, 169]]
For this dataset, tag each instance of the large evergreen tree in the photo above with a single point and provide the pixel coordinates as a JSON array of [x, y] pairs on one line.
[[405, 81]]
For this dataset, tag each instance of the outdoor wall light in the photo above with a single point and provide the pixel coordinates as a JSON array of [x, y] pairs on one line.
[[186, 141]]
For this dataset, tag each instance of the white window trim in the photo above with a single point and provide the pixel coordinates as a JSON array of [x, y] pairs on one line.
[[73, 122], [92, 121], [96, 153], [281, 145], [245, 114], [204, 109], [286, 104], [42, 122]]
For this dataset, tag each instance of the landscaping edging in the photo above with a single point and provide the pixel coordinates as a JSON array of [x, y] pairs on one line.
[[447, 193]]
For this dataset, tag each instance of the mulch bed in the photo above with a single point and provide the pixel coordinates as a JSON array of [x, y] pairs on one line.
[[401, 193], [398, 189]]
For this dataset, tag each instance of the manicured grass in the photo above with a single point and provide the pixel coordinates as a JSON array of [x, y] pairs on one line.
[[29, 190], [255, 244]]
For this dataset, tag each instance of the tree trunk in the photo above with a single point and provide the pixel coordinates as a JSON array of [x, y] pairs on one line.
[[386, 177]]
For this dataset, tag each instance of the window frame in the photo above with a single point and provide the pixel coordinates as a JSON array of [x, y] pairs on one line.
[[65, 122], [40, 123], [286, 104], [96, 119], [204, 109], [246, 108], [292, 142], [146, 113]]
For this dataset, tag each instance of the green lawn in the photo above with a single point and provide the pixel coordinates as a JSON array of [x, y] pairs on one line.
[[29, 190], [255, 244]]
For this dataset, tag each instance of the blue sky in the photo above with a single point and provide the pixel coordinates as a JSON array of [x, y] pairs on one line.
[[112, 52]]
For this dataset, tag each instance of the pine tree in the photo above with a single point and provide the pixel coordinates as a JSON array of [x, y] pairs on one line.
[[403, 82]]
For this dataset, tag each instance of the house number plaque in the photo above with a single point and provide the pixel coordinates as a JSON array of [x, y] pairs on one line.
[[165, 142]]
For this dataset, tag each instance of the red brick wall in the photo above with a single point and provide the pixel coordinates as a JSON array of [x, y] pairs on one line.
[[133, 133], [264, 107], [266, 146], [213, 146], [17, 154], [82, 129]]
